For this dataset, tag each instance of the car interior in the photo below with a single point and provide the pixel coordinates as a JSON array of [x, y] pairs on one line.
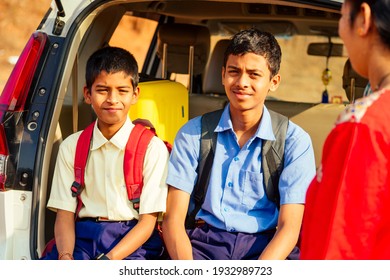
[[181, 64]]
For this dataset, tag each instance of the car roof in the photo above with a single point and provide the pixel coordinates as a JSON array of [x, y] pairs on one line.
[[300, 14]]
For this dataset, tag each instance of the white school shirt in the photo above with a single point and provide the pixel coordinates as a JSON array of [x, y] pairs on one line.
[[105, 193]]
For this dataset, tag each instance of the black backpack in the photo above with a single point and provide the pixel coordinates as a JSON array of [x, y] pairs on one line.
[[272, 160]]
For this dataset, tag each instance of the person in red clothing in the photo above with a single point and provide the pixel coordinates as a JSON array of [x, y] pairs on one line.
[[347, 214]]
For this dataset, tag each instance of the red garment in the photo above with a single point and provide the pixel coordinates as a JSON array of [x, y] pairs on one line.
[[347, 213]]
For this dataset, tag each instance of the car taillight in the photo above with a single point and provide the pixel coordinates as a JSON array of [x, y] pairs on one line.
[[3, 158], [16, 90]]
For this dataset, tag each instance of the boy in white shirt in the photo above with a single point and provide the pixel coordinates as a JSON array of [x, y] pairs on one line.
[[107, 226]]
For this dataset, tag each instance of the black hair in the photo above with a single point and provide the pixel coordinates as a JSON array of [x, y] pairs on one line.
[[111, 60], [257, 42], [381, 16]]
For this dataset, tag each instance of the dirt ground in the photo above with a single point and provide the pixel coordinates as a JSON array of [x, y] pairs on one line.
[[18, 20]]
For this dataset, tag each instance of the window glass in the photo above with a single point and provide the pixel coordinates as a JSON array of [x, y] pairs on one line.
[[135, 35], [302, 73]]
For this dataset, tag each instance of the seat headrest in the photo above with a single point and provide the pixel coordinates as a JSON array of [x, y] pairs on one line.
[[353, 83], [179, 38], [212, 82]]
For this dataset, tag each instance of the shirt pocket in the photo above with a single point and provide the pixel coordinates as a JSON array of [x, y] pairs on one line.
[[253, 189]]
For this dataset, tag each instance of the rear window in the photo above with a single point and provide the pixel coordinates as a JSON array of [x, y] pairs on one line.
[[302, 73], [138, 33]]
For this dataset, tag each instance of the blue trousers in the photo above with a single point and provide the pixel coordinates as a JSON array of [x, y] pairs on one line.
[[210, 243], [93, 238]]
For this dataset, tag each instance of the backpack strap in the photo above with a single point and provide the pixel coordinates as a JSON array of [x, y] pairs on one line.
[[133, 162], [208, 139], [80, 161], [135, 150], [272, 154], [272, 160]]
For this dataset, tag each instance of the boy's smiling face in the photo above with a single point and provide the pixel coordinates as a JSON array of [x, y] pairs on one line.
[[111, 96], [247, 81]]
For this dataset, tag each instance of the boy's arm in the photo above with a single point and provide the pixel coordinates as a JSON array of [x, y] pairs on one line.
[[64, 232], [287, 233], [135, 238], [152, 200], [175, 236]]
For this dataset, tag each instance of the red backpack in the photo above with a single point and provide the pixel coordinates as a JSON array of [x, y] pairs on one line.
[[136, 146], [135, 150]]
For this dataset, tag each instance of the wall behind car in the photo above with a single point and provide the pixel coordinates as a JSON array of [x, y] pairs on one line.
[[18, 20], [21, 18]]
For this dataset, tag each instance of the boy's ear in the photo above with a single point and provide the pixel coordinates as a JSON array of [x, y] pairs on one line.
[[87, 95], [223, 75], [275, 82], [136, 93]]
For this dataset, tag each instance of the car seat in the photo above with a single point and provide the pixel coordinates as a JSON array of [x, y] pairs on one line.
[[183, 49], [212, 82], [213, 95]]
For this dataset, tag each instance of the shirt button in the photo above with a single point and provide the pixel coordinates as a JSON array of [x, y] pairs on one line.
[[226, 209], [232, 229], [236, 159], [230, 184]]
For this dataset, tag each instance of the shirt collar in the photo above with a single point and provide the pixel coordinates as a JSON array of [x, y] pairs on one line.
[[119, 139], [264, 131]]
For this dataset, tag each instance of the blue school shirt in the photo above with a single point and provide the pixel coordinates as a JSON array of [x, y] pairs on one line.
[[236, 199]]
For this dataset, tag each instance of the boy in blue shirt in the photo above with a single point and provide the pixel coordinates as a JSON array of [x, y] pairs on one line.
[[237, 220]]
